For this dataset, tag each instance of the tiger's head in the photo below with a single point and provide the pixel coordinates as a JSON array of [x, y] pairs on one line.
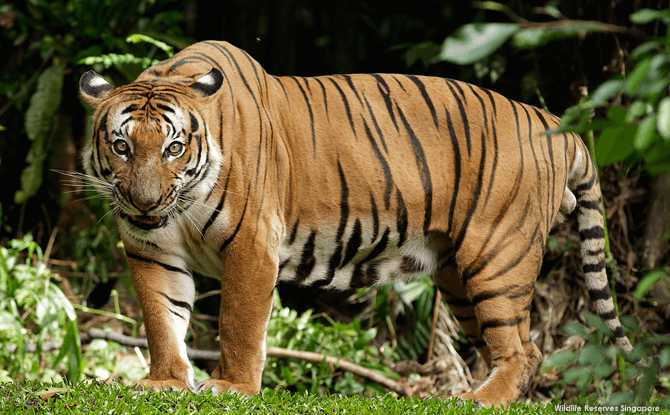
[[150, 145]]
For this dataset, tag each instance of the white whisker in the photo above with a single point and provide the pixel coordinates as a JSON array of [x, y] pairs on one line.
[[114, 209]]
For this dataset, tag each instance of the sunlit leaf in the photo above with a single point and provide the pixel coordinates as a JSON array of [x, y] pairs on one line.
[[663, 120], [646, 132], [637, 76], [552, 11], [606, 91], [475, 41], [647, 282], [643, 49], [645, 16], [136, 38], [636, 109]]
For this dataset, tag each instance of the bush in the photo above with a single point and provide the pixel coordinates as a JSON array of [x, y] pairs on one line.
[[34, 310], [306, 333], [592, 368]]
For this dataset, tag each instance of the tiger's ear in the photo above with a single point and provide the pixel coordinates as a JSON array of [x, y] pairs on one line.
[[94, 88], [208, 84]]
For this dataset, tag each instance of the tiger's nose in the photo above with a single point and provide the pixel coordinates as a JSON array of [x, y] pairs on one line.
[[145, 201]]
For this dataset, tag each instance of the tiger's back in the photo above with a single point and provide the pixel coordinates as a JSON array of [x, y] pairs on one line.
[[404, 178], [339, 181]]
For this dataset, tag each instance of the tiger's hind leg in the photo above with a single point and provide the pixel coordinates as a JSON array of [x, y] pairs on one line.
[[500, 291], [454, 293]]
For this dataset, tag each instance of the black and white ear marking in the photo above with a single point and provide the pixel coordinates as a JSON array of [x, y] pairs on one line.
[[209, 83], [94, 87]]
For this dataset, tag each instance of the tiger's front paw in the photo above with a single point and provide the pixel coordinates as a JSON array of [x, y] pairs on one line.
[[222, 386], [162, 385], [480, 400]]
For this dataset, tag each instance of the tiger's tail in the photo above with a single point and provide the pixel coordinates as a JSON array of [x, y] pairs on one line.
[[584, 183]]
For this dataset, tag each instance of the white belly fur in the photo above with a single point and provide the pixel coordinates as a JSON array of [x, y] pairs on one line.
[[388, 264]]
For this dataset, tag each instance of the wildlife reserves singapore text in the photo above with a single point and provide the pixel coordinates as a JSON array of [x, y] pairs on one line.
[[620, 408]]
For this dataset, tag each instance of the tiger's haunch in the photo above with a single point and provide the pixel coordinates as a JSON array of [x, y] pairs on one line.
[[213, 166]]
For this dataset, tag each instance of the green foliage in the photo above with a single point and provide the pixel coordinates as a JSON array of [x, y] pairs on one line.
[[111, 59], [645, 16], [417, 298], [34, 310], [40, 124], [409, 305], [648, 281], [591, 368], [137, 38], [640, 132], [306, 333], [475, 41], [104, 358]]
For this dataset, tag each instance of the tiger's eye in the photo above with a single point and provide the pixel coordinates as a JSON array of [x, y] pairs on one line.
[[175, 148], [120, 147]]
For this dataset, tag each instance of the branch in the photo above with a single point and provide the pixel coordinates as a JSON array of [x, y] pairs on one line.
[[193, 354], [196, 354], [606, 27], [342, 364]]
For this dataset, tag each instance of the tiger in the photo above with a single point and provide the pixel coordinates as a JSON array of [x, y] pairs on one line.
[[215, 167]]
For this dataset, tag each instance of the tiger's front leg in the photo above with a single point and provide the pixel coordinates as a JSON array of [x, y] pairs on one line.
[[250, 272], [166, 293]]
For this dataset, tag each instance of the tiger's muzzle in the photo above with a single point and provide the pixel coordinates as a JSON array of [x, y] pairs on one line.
[[145, 222]]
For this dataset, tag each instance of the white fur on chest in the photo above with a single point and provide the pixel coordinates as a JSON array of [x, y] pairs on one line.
[[179, 243]]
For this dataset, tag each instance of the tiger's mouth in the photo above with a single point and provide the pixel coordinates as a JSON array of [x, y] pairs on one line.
[[146, 222]]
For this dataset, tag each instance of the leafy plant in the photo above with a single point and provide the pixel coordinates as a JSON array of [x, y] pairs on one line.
[[477, 43], [306, 333], [111, 59], [411, 303], [34, 310], [641, 131], [40, 125], [592, 367]]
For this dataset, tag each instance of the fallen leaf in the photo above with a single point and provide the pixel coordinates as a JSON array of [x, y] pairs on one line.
[[49, 393]]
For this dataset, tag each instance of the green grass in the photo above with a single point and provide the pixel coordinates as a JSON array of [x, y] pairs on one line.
[[114, 398]]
